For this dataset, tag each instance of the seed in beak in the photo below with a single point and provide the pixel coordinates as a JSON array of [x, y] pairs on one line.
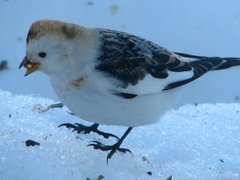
[[29, 65]]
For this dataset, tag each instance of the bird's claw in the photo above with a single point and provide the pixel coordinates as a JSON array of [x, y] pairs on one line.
[[113, 149], [106, 135], [87, 129], [77, 127], [98, 145], [67, 125], [82, 129]]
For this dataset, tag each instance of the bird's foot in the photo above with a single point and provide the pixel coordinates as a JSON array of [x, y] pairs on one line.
[[87, 129], [113, 149]]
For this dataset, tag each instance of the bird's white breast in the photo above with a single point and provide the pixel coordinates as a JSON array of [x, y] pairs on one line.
[[90, 97]]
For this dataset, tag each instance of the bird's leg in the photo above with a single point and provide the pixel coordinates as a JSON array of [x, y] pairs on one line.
[[87, 129], [115, 147]]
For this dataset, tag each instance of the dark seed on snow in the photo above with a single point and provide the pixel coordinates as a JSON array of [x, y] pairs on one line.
[[149, 173], [32, 143]]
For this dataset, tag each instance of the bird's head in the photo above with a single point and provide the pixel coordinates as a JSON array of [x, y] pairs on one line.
[[54, 47]]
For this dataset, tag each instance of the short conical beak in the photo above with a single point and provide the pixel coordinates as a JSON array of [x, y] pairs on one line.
[[31, 67]]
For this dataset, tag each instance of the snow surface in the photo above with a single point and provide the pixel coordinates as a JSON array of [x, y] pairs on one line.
[[193, 142]]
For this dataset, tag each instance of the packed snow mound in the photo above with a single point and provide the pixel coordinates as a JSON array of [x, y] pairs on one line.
[[193, 142]]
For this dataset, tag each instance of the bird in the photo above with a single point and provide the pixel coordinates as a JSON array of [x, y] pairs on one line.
[[109, 77]]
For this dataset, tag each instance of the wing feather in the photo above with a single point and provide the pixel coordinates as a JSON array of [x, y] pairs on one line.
[[131, 59]]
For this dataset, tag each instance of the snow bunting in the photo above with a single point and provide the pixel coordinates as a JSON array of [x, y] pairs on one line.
[[111, 77]]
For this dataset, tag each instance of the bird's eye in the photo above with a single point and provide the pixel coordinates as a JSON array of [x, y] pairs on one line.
[[42, 54]]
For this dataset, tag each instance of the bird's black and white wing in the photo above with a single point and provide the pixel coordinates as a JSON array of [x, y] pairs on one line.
[[133, 61]]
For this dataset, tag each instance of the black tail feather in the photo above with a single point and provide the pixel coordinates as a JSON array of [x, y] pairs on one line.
[[227, 63], [203, 65]]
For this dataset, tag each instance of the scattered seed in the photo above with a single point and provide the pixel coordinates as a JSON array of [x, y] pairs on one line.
[[145, 159], [114, 9], [236, 98], [29, 66], [32, 143], [41, 109], [90, 3], [19, 38], [3, 65], [100, 177], [169, 178], [149, 173]]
